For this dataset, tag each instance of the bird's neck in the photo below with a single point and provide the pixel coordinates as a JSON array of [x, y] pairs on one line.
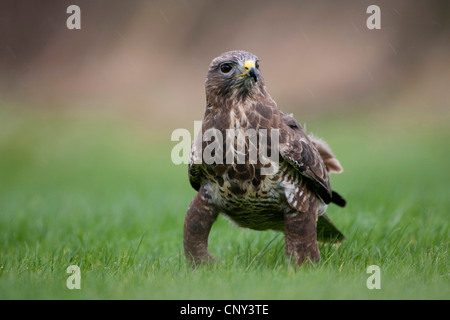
[[240, 97], [232, 112]]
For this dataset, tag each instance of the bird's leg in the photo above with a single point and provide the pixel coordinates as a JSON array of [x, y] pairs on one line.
[[301, 235], [199, 219]]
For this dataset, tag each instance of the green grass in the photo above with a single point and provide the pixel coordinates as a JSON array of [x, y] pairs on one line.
[[100, 192]]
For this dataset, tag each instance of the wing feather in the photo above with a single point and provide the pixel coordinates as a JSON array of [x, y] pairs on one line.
[[298, 150]]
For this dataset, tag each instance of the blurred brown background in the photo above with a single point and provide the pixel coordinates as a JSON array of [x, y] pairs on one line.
[[150, 58]]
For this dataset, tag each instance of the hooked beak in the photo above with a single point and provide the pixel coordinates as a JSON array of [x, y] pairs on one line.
[[253, 73]]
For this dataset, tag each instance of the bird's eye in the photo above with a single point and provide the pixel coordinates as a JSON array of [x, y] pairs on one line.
[[226, 67], [257, 64]]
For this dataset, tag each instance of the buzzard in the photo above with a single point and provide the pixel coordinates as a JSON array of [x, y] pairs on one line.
[[292, 198]]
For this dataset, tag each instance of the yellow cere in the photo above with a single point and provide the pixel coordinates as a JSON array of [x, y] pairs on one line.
[[248, 64]]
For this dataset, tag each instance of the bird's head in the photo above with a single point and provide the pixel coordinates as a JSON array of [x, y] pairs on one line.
[[233, 75]]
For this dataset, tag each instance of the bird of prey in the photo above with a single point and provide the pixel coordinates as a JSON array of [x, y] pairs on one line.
[[292, 198]]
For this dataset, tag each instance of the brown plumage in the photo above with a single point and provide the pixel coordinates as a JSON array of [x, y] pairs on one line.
[[292, 198]]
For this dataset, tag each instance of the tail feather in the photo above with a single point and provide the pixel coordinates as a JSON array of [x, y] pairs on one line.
[[337, 199]]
